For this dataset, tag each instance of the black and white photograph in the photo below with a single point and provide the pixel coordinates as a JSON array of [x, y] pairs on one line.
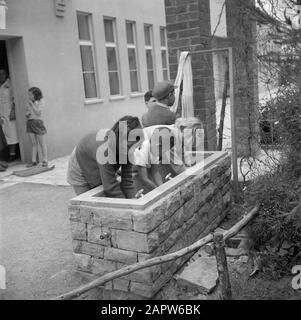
[[150, 153]]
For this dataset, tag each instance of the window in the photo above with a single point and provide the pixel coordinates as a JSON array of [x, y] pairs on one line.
[[164, 53], [112, 56], [149, 55], [132, 55], [87, 54]]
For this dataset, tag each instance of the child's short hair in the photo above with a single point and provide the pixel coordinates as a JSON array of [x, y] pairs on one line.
[[147, 96], [36, 92]]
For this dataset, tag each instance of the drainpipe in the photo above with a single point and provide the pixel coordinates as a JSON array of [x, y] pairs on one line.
[[3, 9]]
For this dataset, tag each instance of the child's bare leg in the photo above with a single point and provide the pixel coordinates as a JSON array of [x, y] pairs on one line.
[[43, 146], [34, 150]]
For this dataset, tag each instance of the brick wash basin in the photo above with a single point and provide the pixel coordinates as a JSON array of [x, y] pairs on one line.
[[108, 234]]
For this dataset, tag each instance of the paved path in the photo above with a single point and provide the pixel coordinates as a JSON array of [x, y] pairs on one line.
[[35, 241], [56, 177], [35, 238]]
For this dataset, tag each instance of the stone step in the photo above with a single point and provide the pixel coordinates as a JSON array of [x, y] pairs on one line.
[[236, 252], [240, 242], [201, 273]]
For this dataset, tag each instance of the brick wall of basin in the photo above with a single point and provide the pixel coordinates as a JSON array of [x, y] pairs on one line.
[[108, 234]]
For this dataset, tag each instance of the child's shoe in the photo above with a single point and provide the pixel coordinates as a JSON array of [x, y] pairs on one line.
[[44, 164], [32, 164]]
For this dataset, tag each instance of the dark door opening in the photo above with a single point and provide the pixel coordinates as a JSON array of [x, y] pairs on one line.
[[9, 142]]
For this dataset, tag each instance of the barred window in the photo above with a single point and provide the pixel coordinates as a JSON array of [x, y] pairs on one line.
[[112, 56], [164, 54], [87, 54], [148, 35], [132, 55]]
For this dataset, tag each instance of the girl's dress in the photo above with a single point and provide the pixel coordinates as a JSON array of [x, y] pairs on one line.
[[35, 123]]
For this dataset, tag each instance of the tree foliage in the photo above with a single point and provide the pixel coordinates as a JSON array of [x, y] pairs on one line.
[[276, 232]]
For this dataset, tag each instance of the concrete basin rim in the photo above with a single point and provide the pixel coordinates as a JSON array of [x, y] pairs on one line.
[[90, 198]]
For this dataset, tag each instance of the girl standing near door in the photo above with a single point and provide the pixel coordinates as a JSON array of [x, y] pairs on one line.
[[35, 125]]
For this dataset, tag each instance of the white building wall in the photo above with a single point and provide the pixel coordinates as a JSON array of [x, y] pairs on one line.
[[53, 63]]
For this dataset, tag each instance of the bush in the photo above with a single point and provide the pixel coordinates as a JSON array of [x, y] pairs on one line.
[[276, 230], [282, 114]]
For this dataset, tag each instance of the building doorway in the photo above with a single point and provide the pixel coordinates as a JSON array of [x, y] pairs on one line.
[[10, 151], [12, 56]]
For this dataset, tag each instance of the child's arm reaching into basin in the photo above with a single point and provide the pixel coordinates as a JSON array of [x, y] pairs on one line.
[[156, 174], [112, 187], [142, 161], [146, 181]]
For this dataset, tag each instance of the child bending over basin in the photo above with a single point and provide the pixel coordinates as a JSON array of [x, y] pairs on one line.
[[86, 170], [157, 155]]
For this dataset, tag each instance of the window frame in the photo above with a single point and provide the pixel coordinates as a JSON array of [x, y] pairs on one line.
[[135, 47], [115, 46], [88, 43], [164, 48], [150, 47]]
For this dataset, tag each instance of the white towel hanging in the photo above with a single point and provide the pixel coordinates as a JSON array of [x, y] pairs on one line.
[[184, 74]]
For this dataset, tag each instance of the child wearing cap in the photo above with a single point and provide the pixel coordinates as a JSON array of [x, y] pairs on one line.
[[149, 100], [159, 103]]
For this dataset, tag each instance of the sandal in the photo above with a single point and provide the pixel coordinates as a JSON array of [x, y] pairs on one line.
[[44, 164], [32, 164]]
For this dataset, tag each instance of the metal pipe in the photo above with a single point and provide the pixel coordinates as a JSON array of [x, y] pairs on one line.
[[232, 107], [233, 128], [210, 50]]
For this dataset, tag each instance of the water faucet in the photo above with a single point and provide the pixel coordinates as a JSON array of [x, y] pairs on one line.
[[168, 177], [139, 194], [105, 235]]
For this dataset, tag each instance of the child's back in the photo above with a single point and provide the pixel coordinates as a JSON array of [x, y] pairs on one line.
[[158, 115], [159, 100]]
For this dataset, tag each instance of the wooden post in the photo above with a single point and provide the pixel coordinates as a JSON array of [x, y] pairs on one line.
[[222, 267], [223, 108]]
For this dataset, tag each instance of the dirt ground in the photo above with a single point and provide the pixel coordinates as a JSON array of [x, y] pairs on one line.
[[256, 288], [35, 244], [244, 287]]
